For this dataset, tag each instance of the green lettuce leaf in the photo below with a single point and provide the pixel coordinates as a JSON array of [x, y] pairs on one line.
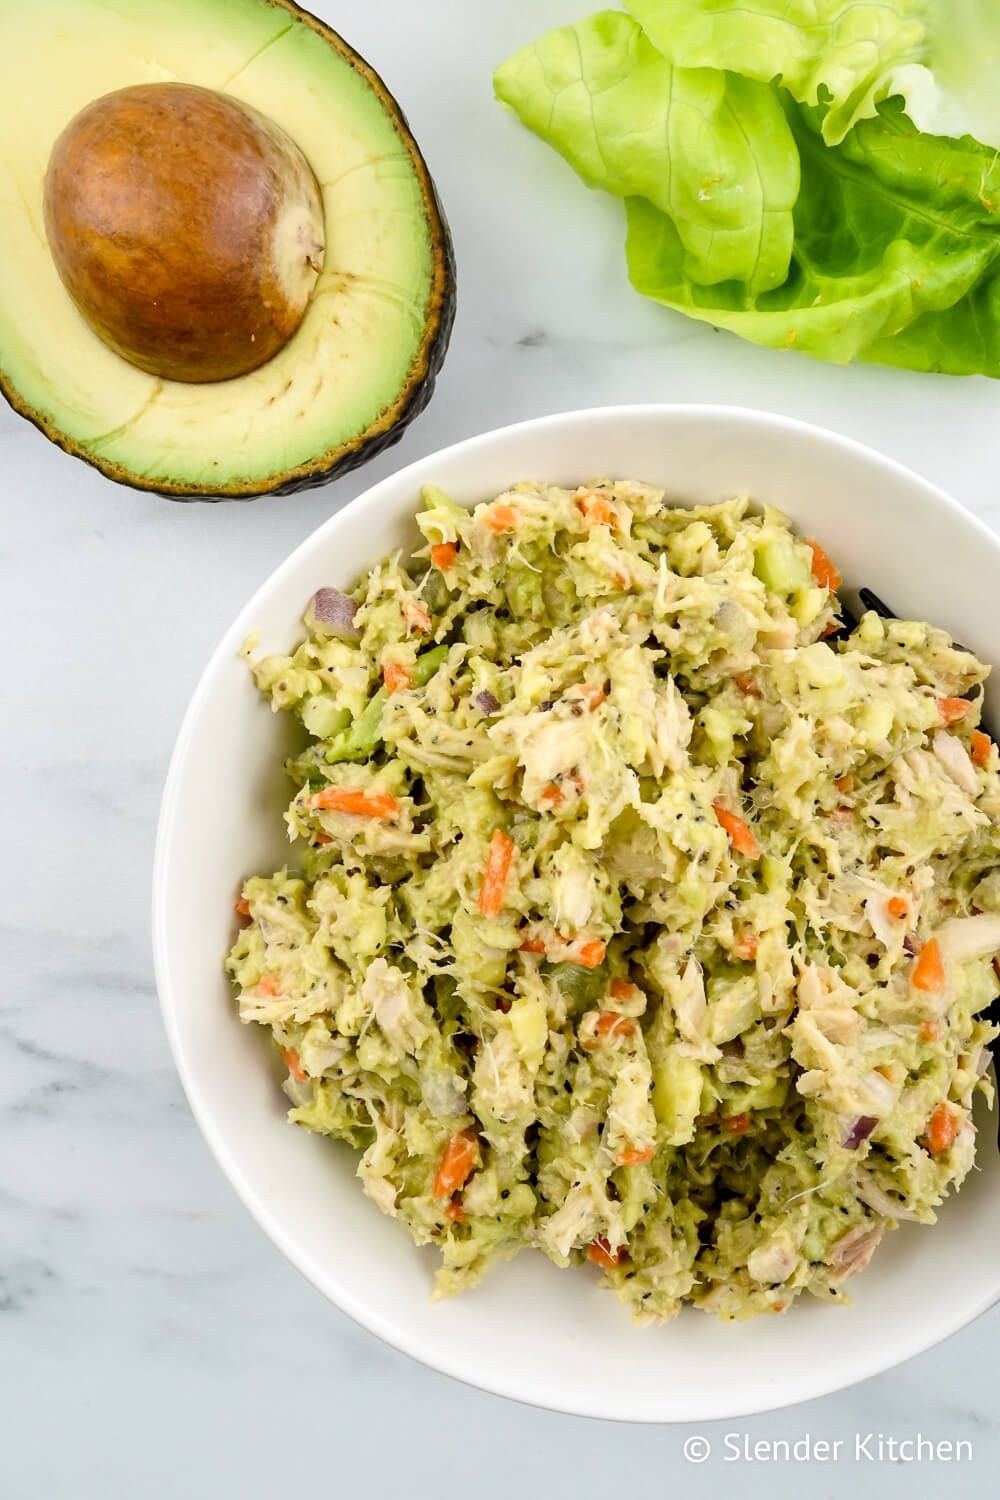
[[896, 257], [712, 151], [845, 56], [840, 51]]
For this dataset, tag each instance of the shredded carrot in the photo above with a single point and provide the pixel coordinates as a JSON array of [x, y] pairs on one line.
[[885, 1071], [928, 971], [620, 578], [294, 1064], [533, 945], [633, 1156], [745, 946], [779, 1307], [443, 555], [737, 1124], [942, 1128], [594, 694], [706, 1119], [844, 784], [981, 747], [498, 863], [397, 676], [322, 838], [455, 1211], [589, 954], [611, 1024], [597, 510], [953, 709], [268, 986], [823, 570], [621, 989], [740, 834], [748, 684], [601, 1254], [242, 907], [416, 615], [551, 794], [503, 518], [460, 1156], [830, 628], [353, 800], [930, 1030], [897, 907]]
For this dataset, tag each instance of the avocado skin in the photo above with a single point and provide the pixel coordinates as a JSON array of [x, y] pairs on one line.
[[412, 398]]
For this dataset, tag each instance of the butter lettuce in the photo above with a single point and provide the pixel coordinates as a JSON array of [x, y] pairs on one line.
[[843, 50], [785, 169], [896, 254], [711, 150], [847, 55]]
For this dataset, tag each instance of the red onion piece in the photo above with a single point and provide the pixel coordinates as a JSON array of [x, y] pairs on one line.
[[334, 612], [859, 1131]]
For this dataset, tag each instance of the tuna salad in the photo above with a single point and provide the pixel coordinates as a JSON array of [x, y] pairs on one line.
[[638, 910]]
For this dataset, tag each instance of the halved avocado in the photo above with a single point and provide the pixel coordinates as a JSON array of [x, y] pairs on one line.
[[365, 355]]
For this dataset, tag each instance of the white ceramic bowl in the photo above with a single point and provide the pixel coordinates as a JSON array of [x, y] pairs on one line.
[[531, 1331]]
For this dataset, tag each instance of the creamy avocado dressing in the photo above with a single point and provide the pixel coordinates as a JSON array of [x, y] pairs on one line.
[[636, 913]]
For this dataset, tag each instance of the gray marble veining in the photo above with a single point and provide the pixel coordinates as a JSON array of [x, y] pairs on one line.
[[152, 1342]]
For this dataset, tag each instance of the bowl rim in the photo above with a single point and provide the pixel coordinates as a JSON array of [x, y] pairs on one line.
[[466, 1368]]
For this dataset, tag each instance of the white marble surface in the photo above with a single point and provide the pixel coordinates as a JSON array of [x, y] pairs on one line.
[[152, 1342]]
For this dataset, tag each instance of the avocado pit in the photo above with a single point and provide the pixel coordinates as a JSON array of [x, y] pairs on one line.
[[187, 228]]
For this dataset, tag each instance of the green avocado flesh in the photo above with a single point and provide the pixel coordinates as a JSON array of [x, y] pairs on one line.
[[366, 352]]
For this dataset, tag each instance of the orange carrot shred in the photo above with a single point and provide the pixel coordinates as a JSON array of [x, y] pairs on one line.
[[611, 1024], [498, 862], [981, 746], [953, 709], [897, 907], [942, 1128], [740, 834], [242, 907], [397, 676], [589, 954], [737, 1124], [354, 800], [622, 989], [823, 570], [460, 1156], [294, 1063], [633, 1156], [597, 510], [268, 986], [601, 1254], [844, 784], [928, 971], [745, 946], [748, 684], [443, 555], [930, 1029], [503, 518], [455, 1211]]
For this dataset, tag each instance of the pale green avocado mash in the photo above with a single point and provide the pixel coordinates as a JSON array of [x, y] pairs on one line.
[[635, 915]]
